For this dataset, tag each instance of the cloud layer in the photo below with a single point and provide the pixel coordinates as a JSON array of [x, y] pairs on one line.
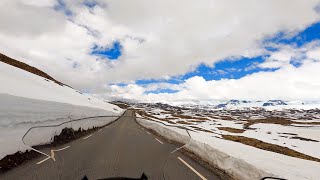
[[289, 82], [159, 40]]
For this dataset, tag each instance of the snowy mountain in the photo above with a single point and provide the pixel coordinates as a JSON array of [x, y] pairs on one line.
[[243, 105], [269, 105], [274, 103]]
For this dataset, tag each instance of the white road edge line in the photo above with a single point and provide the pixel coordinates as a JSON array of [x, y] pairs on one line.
[[190, 167], [148, 132], [52, 154], [177, 149], [159, 141], [88, 136], [43, 160], [100, 130]]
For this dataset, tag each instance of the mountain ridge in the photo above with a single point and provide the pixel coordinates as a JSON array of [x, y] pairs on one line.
[[28, 68]]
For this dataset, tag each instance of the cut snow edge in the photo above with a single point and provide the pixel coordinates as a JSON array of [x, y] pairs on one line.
[[237, 168]]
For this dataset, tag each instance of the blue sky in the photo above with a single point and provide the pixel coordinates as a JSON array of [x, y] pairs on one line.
[[226, 69], [111, 53], [309, 34]]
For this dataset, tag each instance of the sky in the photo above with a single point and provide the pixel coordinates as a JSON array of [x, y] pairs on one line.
[[170, 51]]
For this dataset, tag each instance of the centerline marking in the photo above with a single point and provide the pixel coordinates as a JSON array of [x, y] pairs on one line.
[[190, 167], [159, 141], [88, 136]]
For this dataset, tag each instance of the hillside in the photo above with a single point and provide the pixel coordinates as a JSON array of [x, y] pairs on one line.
[[30, 97], [26, 67], [20, 79]]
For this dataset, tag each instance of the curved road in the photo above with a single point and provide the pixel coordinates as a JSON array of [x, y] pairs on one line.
[[122, 149]]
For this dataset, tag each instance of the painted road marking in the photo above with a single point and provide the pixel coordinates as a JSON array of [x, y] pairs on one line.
[[61, 149], [148, 132], [177, 149], [159, 141], [53, 150], [100, 130], [52, 154], [88, 136], [190, 167], [43, 160]]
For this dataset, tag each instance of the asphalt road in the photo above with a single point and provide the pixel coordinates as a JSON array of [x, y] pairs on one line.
[[122, 149]]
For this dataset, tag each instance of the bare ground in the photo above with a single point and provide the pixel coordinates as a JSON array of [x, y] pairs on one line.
[[269, 147]]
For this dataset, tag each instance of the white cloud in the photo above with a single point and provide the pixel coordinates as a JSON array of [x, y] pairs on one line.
[[314, 54], [288, 83], [288, 54], [160, 39]]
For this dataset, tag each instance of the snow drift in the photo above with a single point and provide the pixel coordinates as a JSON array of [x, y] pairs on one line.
[[28, 99], [235, 167], [240, 161]]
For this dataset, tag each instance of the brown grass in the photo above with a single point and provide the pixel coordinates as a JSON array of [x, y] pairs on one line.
[[183, 122], [269, 147], [188, 117], [197, 121], [200, 129], [171, 118], [26, 67], [303, 139], [227, 118], [182, 116], [232, 130], [277, 120], [146, 115]]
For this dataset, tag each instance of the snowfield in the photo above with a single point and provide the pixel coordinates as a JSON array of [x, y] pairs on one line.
[[17, 82], [286, 129], [28, 100]]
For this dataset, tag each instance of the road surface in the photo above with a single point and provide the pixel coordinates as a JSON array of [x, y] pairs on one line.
[[122, 149]]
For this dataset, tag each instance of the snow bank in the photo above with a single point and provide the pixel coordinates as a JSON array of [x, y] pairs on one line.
[[18, 114], [28, 100], [43, 135], [171, 133], [281, 165], [239, 160], [237, 168]]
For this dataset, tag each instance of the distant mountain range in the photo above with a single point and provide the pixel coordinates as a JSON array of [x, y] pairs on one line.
[[237, 103], [231, 105], [245, 104]]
